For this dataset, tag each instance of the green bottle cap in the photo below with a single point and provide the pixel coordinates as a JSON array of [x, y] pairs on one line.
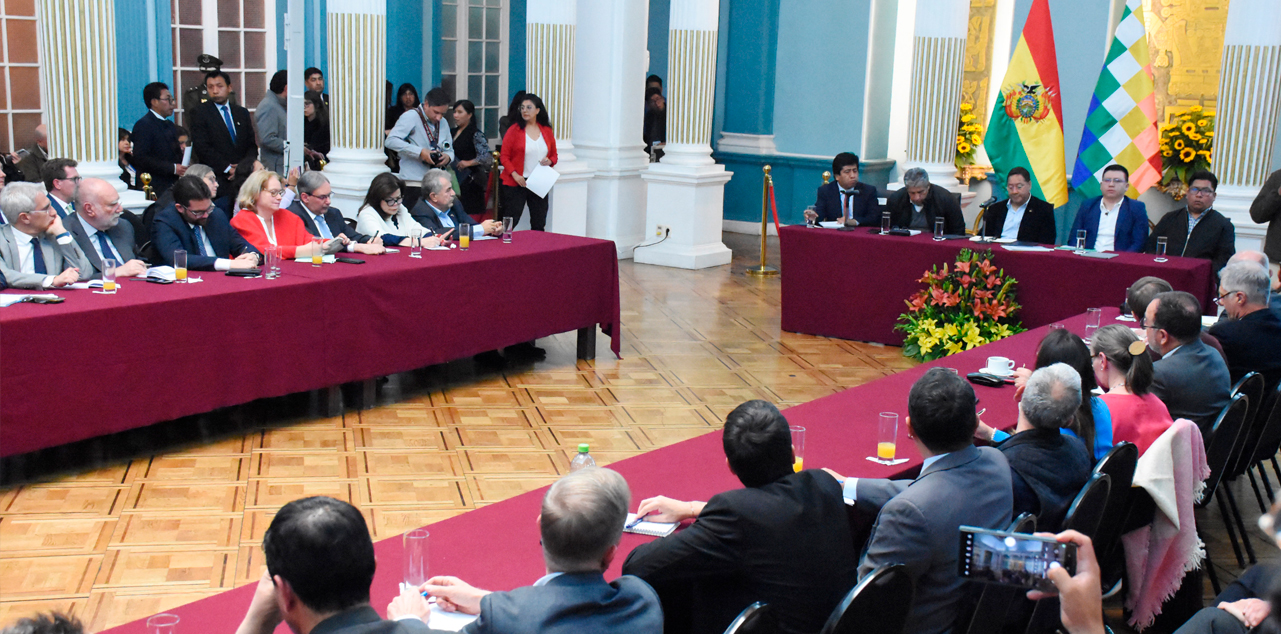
[[582, 448]]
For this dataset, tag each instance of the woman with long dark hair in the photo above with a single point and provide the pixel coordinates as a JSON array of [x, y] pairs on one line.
[[383, 214], [315, 130], [527, 144], [472, 159], [406, 100]]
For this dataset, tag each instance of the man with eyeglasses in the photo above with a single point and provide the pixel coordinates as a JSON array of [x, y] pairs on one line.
[[1113, 221], [1251, 335], [1022, 217], [36, 252], [1197, 231], [194, 225], [97, 229], [1190, 377], [156, 150], [61, 180], [323, 221], [422, 139]]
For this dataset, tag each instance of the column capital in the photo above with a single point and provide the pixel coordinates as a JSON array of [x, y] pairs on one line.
[[370, 7], [551, 12], [696, 15]]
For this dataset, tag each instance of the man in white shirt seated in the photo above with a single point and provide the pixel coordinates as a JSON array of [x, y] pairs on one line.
[[1113, 221], [35, 250], [323, 221], [99, 233], [437, 211], [1022, 217]]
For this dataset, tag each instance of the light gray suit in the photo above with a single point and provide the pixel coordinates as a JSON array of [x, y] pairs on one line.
[[571, 603], [271, 120], [919, 523], [1194, 383], [57, 258], [121, 237]]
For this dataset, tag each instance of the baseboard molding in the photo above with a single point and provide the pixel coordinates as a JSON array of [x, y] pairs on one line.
[[750, 228]]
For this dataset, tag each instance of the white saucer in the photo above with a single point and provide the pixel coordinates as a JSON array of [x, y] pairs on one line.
[[1004, 375]]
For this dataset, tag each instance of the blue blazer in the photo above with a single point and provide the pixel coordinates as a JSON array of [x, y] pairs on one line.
[[867, 211], [169, 232], [571, 603], [1131, 224]]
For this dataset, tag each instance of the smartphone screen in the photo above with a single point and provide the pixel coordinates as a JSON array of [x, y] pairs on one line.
[[1013, 559]]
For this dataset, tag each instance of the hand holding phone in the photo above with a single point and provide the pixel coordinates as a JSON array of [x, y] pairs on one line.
[[1013, 559]]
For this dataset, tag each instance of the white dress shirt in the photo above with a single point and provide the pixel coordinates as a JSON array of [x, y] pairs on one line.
[[220, 264], [850, 489], [1106, 240], [1014, 220], [26, 255]]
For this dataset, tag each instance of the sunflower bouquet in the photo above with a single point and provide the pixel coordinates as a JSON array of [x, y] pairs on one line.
[[1187, 139], [969, 135], [961, 307]]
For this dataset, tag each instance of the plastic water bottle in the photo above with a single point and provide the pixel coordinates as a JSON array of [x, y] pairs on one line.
[[583, 459]]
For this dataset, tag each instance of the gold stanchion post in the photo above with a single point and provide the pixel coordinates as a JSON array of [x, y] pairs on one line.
[[764, 271], [145, 179]]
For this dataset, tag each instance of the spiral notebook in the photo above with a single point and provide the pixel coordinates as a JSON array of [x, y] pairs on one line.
[[642, 527]]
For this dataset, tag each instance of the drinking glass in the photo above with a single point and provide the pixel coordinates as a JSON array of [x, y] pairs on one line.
[[507, 229], [887, 436], [271, 262], [109, 276], [938, 228], [416, 557], [180, 266], [798, 447], [163, 624], [317, 251], [1093, 317], [415, 244], [1161, 244], [885, 222], [464, 236], [1080, 239]]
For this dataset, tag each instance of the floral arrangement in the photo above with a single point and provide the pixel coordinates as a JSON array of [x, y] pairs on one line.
[[1187, 139], [962, 307], [969, 135]]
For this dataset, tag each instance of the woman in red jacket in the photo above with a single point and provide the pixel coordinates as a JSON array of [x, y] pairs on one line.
[[261, 221], [526, 145]]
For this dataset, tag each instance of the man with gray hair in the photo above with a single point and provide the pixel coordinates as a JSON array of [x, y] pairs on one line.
[[97, 230], [920, 202], [1047, 466], [1251, 336], [35, 250], [323, 221], [437, 211], [1274, 294], [581, 524]]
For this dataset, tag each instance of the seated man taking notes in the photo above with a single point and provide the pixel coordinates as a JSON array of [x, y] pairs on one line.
[[919, 203], [846, 199], [437, 212], [783, 539], [323, 221], [194, 225], [1022, 216]]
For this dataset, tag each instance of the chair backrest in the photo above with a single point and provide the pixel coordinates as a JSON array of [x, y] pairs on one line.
[[1250, 385], [754, 619], [1086, 511], [1221, 446], [1270, 435], [1118, 464], [1024, 523], [878, 604]]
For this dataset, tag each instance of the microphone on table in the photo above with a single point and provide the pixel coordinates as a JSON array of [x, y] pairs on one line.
[[983, 226]]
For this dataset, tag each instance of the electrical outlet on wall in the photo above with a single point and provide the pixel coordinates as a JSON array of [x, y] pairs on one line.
[[662, 230]]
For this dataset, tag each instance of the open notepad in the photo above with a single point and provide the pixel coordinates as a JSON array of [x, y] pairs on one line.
[[643, 527]]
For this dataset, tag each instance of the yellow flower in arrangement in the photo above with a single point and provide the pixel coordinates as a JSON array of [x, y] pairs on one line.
[[967, 118], [963, 148], [1194, 109], [927, 344], [953, 347], [1210, 134], [1187, 155], [951, 330], [1001, 331], [1167, 153], [1178, 144], [928, 325], [1187, 138], [959, 317], [1203, 122], [1195, 137], [976, 139], [1205, 153], [1189, 128], [965, 107]]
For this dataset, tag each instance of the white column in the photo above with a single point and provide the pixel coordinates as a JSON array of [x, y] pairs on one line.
[[78, 88], [550, 27], [1249, 107], [357, 74], [687, 189], [609, 94]]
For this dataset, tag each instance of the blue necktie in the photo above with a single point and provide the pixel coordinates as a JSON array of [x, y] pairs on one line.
[[200, 241], [107, 251], [37, 257], [323, 228], [226, 117]]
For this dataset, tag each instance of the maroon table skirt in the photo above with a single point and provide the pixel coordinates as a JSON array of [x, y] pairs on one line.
[[99, 364], [853, 285], [497, 547]]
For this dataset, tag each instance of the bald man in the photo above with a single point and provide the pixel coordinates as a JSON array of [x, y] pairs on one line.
[[98, 231]]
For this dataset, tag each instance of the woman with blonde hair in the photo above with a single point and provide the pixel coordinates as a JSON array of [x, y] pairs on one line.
[[1123, 367], [262, 222]]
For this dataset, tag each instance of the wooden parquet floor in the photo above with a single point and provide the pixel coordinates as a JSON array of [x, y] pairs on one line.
[[115, 530]]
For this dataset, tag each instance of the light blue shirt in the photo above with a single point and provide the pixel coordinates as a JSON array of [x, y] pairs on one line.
[[1013, 220], [850, 490], [477, 230], [1102, 429], [93, 239]]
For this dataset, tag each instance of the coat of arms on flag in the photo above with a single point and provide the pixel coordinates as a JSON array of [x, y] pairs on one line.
[[1026, 103]]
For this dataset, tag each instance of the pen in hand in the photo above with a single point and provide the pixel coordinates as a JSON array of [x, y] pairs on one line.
[[636, 522]]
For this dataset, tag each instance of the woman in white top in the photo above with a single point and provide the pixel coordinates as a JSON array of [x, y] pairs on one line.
[[527, 144], [382, 214]]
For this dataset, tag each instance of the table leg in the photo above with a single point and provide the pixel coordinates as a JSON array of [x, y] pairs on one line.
[[330, 401], [366, 393], [587, 343]]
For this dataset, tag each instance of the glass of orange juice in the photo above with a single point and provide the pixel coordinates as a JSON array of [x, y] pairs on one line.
[[464, 236], [317, 251], [180, 266], [109, 276], [798, 447], [887, 437]]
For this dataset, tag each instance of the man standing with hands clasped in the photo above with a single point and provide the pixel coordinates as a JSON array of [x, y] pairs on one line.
[[422, 139]]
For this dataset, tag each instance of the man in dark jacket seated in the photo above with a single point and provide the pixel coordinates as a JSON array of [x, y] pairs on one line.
[[1048, 468], [845, 198]]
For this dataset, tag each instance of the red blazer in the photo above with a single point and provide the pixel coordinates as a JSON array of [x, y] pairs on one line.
[[512, 156], [291, 233]]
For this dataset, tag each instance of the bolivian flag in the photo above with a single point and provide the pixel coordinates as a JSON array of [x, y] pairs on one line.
[[1026, 128]]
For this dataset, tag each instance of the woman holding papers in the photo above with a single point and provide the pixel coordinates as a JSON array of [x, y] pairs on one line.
[[261, 221], [527, 145], [383, 215]]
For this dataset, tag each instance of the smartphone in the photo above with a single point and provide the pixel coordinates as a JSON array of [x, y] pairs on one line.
[[1012, 559]]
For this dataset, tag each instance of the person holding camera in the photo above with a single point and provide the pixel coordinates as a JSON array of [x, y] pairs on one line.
[[423, 141]]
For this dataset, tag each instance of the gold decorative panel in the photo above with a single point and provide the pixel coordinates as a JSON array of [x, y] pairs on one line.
[[978, 56], [1185, 38]]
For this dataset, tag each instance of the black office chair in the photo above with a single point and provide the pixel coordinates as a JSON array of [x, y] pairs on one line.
[[877, 605], [1119, 464], [1084, 516], [1219, 451], [1269, 439], [754, 619], [1251, 385], [994, 599]]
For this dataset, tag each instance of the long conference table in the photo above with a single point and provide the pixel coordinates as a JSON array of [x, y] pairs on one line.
[[853, 284], [496, 547], [98, 364]]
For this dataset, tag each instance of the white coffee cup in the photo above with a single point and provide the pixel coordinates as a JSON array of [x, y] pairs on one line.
[[999, 365]]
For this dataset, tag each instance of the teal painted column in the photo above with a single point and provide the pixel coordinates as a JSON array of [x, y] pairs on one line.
[[143, 55], [749, 75]]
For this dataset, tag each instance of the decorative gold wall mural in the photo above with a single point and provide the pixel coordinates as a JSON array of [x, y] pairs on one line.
[[1186, 41], [978, 56]]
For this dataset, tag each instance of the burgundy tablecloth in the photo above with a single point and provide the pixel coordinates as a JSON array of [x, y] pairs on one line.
[[496, 547], [99, 364], [852, 284]]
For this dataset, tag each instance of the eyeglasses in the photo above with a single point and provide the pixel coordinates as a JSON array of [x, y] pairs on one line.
[[325, 198], [1200, 190], [275, 192], [74, 179], [394, 201], [1114, 181], [1219, 300], [528, 107], [198, 213]]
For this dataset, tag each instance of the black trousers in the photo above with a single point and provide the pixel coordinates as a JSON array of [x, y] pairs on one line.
[[514, 201]]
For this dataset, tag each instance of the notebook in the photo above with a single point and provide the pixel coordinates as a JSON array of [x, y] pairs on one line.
[[642, 527]]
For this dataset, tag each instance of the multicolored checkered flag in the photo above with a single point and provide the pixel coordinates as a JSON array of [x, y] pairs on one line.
[[1122, 124]]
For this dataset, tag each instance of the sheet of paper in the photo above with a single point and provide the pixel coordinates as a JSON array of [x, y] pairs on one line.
[[83, 286], [831, 224], [541, 180], [1097, 255], [1012, 247], [1209, 320], [9, 300], [449, 621], [642, 527], [484, 238], [392, 250], [186, 157]]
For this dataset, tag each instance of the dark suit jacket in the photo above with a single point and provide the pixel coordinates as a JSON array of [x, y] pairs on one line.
[[426, 216], [1048, 470], [155, 150], [333, 218], [937, 201], [1267, 208], [121, 237], [1037, 225], [1131, 224], [211, 142], [867, 211], [787, 543], [919, 521], [170, 232], [1213, 238], [1252, 344], [1193, 382], [364, 620], [570, 604]]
